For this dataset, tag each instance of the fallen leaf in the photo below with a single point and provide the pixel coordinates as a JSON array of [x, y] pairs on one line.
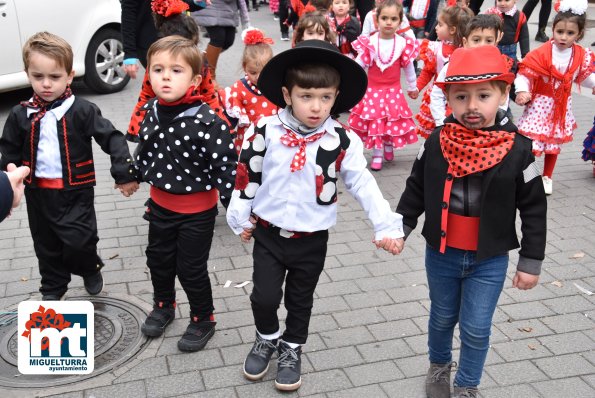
[[531, 347], [578, 255], [227, 284], [242, 284], [24, 279], [556, 283], [526, 329]]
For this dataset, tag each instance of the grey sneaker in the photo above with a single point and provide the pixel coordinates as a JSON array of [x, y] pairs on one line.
[[438, 380], [466, 392], [257, 361], [289, 367]]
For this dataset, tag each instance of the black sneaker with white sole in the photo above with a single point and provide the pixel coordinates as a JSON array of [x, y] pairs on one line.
[[256, 363], [289, 367]]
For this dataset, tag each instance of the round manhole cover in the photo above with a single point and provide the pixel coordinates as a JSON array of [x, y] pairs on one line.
[[118, 339]]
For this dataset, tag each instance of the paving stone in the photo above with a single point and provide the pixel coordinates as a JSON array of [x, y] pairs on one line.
[[515, 373], [187, 362], [367, 299], [573, 387], [220, 393], [264, 389], [567, 365], [348, 273], [526, 310], [336, 288], [325, 381], [402, 311], [568, 323], [413, 366], [414, 387], [376, 372], [345, 337], [394, 329], [121, 390], [148, 368], [329, 305], [334, 358], [223, 377], [521, 349], [372, 390], [358, 317], [409, 293], [379, 283], [177, 384], [565, 305], [568, 343], [518, 391], [382, 350], [234, 355]]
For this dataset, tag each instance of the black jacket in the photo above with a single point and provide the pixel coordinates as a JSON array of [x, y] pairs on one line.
[[80, 124], [511, 24], [514, 183]]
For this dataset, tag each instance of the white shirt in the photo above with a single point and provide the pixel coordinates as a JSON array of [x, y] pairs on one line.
[[48, 160], [560, 59], [368, 26], [288, 200], [438, 100]]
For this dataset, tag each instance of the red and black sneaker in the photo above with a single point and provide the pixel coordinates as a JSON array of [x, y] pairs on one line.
[[161, 316]]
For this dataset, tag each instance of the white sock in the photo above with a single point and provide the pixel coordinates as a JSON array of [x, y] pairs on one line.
[[292, 345], [270, 336], [377, 153]]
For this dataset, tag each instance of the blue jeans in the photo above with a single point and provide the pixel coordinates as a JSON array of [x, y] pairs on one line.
[[465, 291]]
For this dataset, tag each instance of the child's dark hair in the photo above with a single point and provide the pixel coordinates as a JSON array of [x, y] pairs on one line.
[[311, 75], [390, 3], [482, 22], [457, 17], [177, 46], [321, 5], [567, 16], [178, 24], [50, 45], [315, 20]]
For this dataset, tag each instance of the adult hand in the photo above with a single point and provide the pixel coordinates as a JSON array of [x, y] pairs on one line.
[[131, 67], [16, 175]]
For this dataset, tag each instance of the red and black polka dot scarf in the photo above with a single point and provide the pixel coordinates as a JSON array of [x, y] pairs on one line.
[[470, 151]]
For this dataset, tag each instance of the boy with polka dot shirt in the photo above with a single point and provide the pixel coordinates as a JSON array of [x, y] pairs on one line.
[[187, 156], [286, 194]]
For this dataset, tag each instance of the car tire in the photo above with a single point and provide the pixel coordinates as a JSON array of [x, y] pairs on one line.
[[104, 71]]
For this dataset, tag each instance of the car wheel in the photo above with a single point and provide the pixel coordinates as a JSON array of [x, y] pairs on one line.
[[104, 71]]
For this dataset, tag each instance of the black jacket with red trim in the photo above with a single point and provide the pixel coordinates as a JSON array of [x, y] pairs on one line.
[[516, 30], [80, 124], [514, 183]]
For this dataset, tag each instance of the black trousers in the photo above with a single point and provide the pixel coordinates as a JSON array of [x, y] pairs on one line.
[[544, 12], [297, 261], [64, 231], [221, 36], [179, 244], [363, 7], [283, 14]]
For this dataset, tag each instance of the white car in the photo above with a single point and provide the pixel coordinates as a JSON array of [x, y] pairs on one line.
[[91, 27]]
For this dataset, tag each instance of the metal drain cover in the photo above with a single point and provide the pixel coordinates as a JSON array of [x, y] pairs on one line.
[[118, 339]]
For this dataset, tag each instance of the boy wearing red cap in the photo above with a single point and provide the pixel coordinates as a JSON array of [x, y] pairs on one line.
[[469, 178]]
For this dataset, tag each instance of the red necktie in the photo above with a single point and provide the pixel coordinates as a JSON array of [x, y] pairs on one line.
[[293, 139]]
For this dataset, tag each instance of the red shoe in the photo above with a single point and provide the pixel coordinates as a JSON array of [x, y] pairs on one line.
[[389, 154], [376, 164]]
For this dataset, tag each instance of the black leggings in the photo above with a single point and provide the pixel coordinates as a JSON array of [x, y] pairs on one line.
[[221, 36], [544, 12]]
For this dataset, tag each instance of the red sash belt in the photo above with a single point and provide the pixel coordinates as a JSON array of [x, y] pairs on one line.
[[50, 183], [463, 232], [185, 204]]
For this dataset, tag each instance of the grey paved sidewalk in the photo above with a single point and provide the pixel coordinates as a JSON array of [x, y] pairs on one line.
[[368, 330]]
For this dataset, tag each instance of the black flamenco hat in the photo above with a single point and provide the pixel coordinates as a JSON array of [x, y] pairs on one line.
[[354, 80]]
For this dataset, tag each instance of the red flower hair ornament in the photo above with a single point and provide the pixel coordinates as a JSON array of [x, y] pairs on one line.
[[167, 8], [252, 36]]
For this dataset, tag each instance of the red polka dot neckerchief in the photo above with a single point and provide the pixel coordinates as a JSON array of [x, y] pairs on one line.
[[291, 139], [470, 151]]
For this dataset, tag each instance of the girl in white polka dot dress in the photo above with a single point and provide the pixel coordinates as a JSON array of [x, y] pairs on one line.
[[186, 155], [243, 101], [383, 118]]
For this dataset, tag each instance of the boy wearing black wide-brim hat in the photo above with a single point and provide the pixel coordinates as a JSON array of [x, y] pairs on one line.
[[470, 178], [286, 194]]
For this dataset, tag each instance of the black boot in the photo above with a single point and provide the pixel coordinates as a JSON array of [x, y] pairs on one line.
[[289, 367], [198, 333], [256, 363], [255, 5], [161, 316], [541, 36], [94, 282]]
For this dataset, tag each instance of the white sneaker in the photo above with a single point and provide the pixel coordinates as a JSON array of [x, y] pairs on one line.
[[547, 185]]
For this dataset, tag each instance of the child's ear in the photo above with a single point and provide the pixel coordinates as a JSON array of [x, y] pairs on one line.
[[70, 76], [286, 95], [197, 80], [465, 42], [500, 35], [452, 30], [504, 95]]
